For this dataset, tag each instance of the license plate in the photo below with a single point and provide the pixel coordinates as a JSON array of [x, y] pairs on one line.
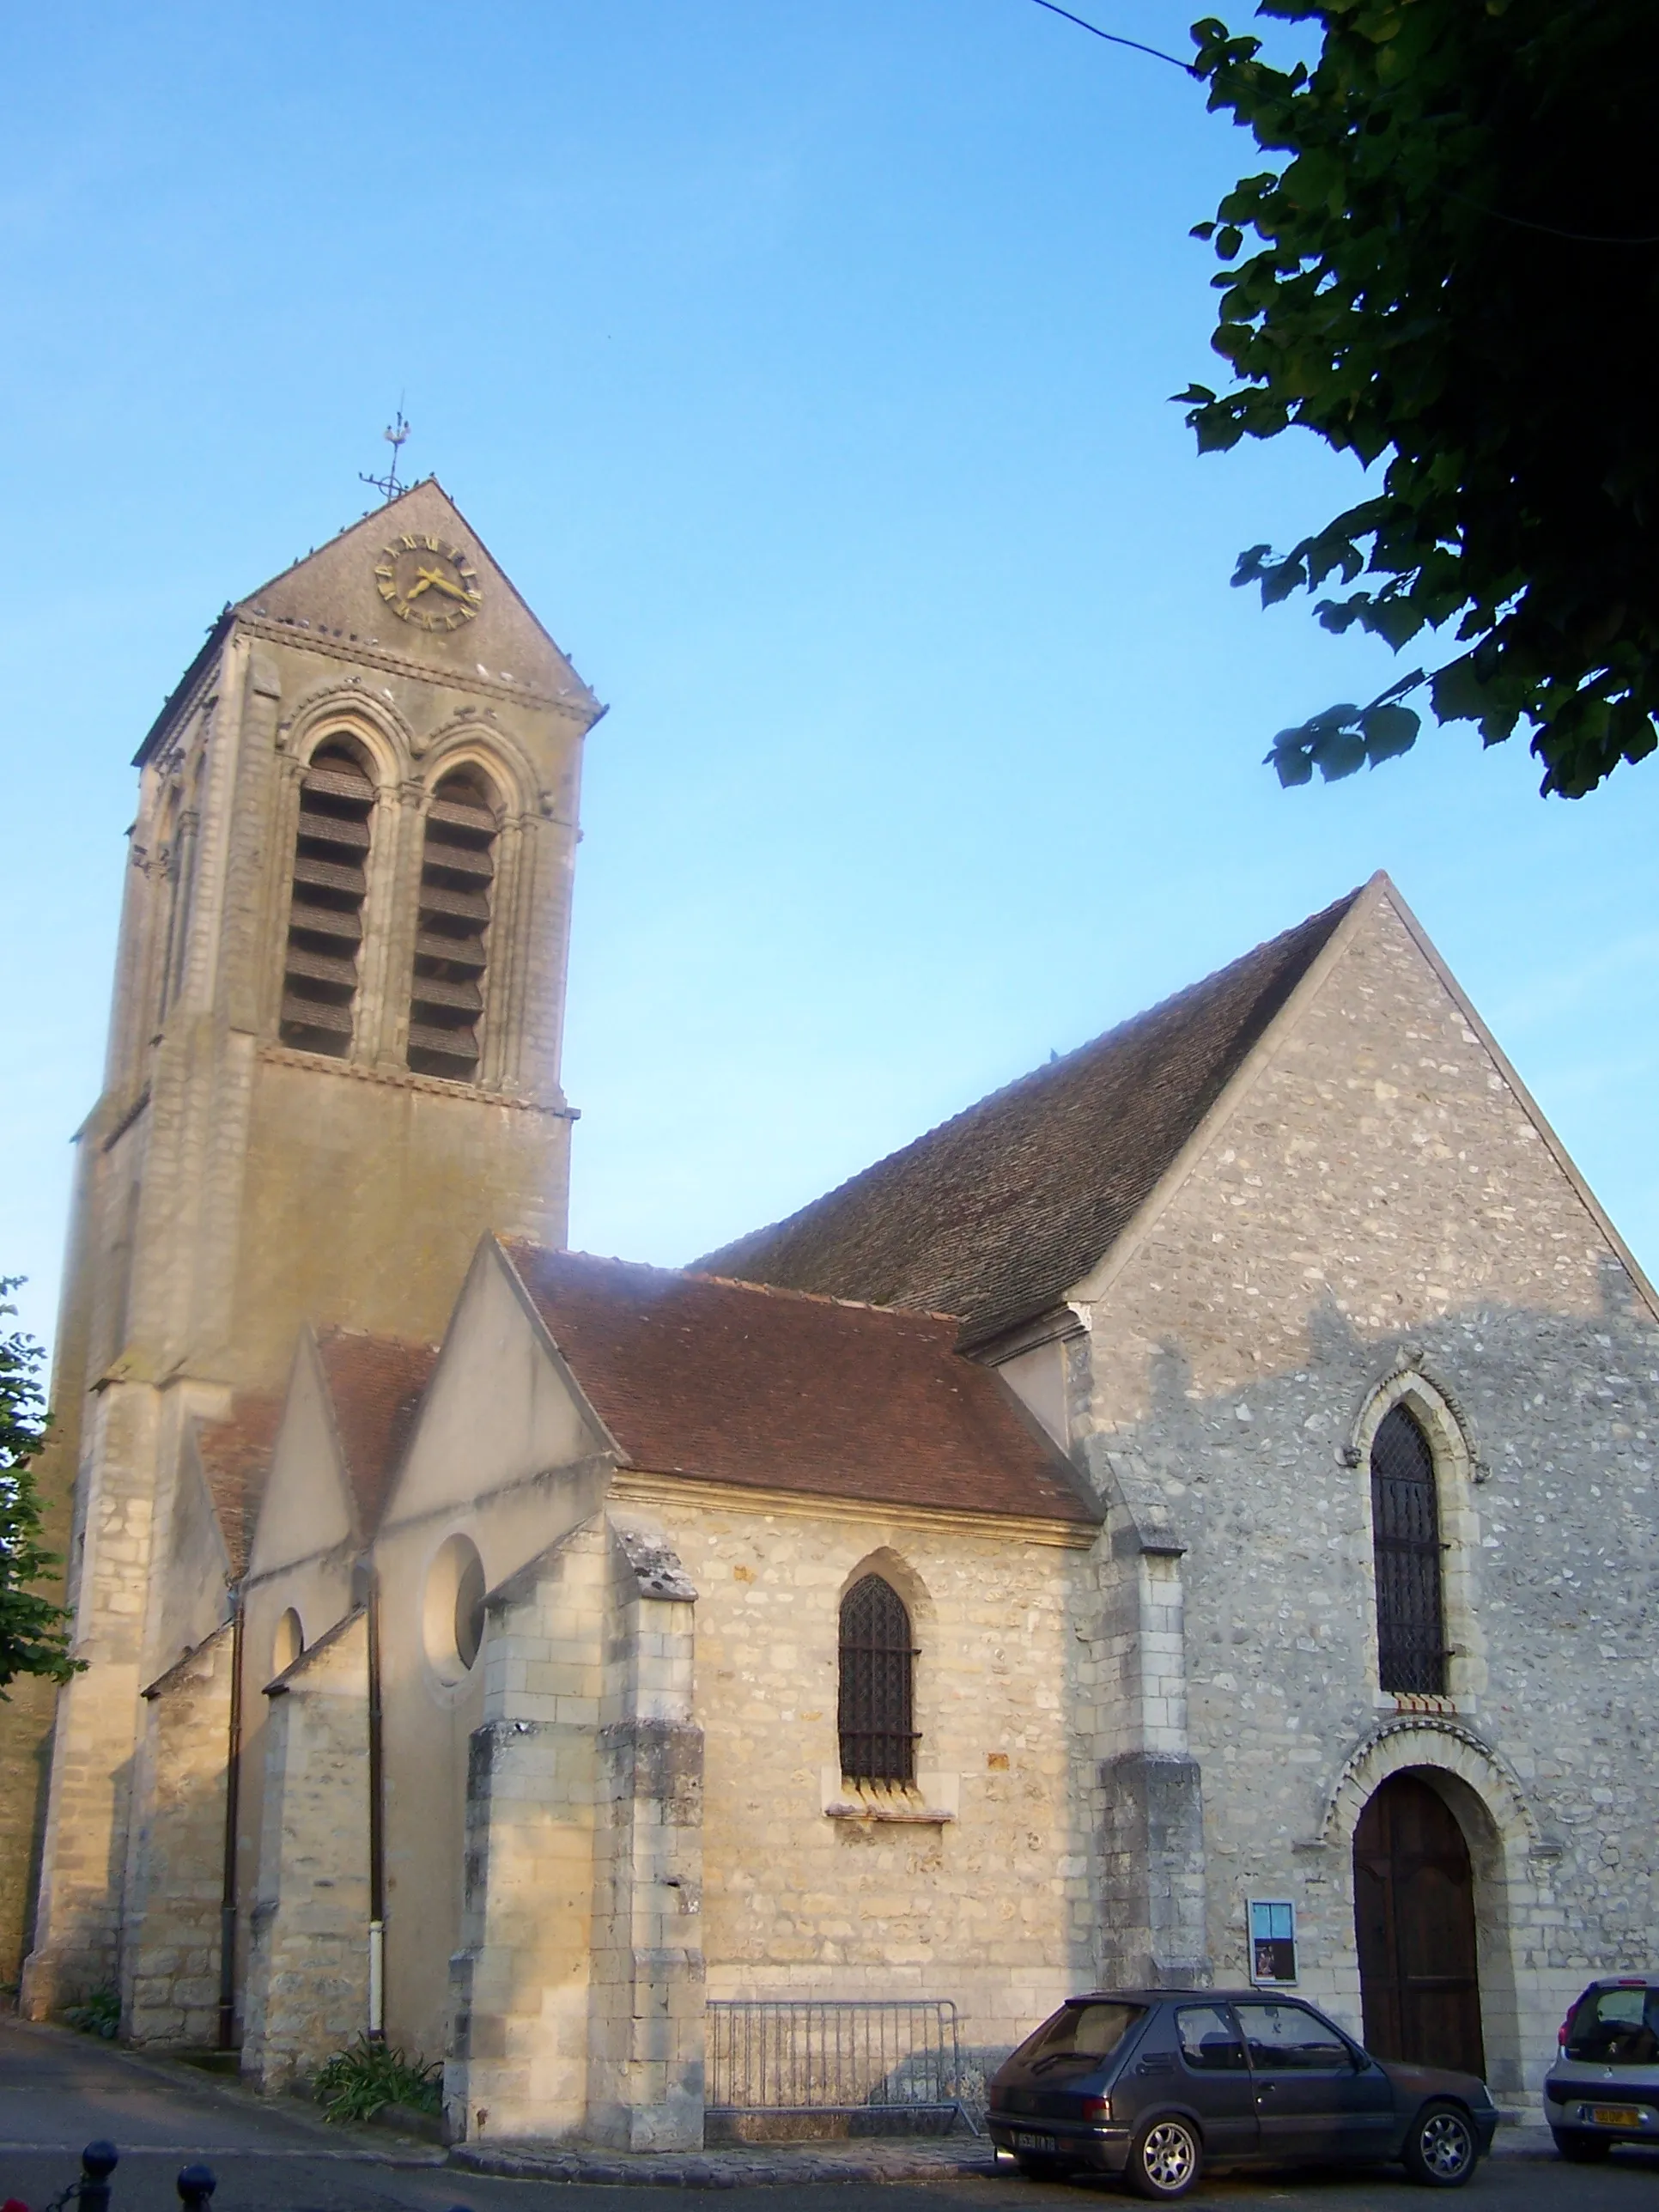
[[1615, 2116], [1025, 2141]]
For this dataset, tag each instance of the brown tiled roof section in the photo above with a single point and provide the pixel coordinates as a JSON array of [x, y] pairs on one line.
[[235, 1457], [743, 1385], [995, 1215], [375, 1384]]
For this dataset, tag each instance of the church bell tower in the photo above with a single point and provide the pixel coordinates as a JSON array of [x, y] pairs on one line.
[[333, 1064]]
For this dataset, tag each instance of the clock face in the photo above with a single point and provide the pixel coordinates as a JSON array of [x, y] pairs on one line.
[[428, 581]]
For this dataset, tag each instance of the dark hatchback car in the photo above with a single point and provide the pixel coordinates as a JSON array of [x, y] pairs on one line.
[[1152, 2084]]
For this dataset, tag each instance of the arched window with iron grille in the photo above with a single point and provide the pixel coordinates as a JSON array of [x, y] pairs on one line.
[[457, 871], [326, 912], [877, 1705], [1411, 1633]]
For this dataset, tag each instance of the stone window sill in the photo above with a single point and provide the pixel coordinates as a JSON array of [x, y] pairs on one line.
[[930, 1801]]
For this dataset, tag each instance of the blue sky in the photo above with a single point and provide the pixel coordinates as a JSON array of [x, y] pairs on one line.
[[807, 367]]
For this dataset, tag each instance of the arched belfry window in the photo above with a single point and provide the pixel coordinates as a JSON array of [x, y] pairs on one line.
[[326, 914], [877, 1685], [457, 870], [1411, 1633]]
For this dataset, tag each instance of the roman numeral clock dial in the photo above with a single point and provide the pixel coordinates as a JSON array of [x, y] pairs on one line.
[[428, 581]]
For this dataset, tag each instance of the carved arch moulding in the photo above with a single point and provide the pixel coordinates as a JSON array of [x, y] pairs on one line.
[[1408, 1382], [470, 738], [354, 710], [1441, 1744]]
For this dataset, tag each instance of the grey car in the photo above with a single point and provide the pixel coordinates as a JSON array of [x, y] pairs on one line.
[[1153, 2084], [1604, 2086]]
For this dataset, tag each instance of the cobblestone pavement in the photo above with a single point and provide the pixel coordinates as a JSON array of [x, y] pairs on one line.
[[58, 2091]]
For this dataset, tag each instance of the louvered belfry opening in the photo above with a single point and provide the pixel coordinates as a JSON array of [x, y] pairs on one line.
[[877, 1683], [1411, 1637], [458, 868], [326, 914]]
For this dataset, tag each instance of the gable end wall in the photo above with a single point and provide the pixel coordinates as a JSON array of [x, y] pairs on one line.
[[1379, 1198]]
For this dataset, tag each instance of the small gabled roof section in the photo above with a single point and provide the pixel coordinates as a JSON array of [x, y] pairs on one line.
[[374, 1388], [735, 1383], [996, 1215], [235, 1458]]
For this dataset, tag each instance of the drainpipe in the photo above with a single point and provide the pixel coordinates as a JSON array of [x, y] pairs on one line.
[[376, 1825], [232, 1797]]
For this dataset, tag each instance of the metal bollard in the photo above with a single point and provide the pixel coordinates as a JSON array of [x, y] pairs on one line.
[[195, 2185], [97, 2161]]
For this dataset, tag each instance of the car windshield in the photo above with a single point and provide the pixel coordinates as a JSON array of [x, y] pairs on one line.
[[1090, 2032], [1620, 2025]]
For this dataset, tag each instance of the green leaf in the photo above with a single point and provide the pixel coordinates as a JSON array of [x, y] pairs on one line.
[[1388, 731], [1279, 581], [1339, 753], [1291, 758]]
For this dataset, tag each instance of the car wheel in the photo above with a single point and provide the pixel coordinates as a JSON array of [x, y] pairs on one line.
[[1166, 2157], [1037, 2168], [1581, 2149], [1441, 2151]]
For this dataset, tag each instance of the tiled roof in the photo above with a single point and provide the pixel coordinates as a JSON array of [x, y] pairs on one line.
[[236, 1456], [375, 1384], [994, 1216], [739, 1384]]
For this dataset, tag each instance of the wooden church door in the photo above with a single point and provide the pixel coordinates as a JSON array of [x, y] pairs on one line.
[[1414, 1917]]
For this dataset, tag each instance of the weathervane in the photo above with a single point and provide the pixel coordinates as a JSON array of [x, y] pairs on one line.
[[394, 437]]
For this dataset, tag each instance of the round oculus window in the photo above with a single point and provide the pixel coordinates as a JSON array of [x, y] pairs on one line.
[[452, 1614]]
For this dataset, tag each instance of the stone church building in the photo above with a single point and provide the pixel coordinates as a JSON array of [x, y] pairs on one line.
[[1190, 1515]]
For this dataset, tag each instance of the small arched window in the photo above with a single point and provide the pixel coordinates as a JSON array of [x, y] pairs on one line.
[[289, 1644], [326, 914], [458, 868], [876, 1704], [1411, 1633]]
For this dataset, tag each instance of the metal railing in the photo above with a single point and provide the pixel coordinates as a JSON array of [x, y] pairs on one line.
[[879, 2056]]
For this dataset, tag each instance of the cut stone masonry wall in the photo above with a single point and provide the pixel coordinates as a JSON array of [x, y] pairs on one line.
[[307, 1982], [170, 1992]]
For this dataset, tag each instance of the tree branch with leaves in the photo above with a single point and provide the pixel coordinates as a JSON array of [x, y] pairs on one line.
[[34, 1630], [1455, 274]]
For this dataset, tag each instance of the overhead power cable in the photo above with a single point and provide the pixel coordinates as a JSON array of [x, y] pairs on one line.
[[1113, 39]]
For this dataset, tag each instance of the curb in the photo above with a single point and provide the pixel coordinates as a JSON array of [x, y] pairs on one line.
[[719, 2170]]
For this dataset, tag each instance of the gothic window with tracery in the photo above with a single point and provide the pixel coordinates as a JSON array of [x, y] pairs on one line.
[[877, 1685], [1411, 1633], [457, 872], [325, 913]]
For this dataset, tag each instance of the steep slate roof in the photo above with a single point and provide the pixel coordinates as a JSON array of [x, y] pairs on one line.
[[995, 1215], [740, 1384], [235, 1457], [375, 1383]]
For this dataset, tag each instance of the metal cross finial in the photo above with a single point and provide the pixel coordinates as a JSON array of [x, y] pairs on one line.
[[394, 437]]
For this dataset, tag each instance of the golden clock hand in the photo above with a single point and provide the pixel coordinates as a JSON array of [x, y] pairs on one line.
[[414, 593], [439, 583]]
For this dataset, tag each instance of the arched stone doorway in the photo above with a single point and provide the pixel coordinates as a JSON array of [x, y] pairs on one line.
[[1414, 1919]]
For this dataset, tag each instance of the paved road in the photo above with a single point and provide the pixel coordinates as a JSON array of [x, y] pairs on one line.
[[58, 2091]]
